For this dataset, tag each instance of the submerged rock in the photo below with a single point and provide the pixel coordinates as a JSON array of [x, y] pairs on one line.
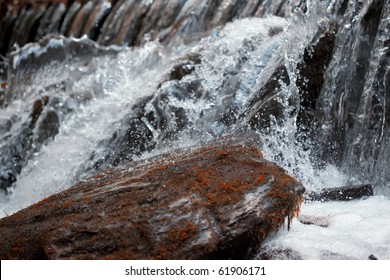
[[215, 202], [345, 193], [320, 221], [268, 253]]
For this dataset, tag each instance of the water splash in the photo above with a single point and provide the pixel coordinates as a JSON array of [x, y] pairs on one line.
[[107, 88], [208, 101]]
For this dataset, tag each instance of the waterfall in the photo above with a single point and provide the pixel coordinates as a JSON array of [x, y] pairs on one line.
[[91, 85], [353, 107]]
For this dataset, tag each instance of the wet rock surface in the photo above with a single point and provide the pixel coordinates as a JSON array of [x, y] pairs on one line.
[[353, 103], [345, 193], [278, 254], [215, 202]]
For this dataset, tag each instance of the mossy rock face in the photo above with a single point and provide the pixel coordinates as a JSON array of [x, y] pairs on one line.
[[216, 201]]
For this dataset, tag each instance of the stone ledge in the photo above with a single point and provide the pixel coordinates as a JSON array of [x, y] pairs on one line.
[[219, 201]]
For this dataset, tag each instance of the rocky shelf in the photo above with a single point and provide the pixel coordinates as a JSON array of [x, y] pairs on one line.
[[218, 201]]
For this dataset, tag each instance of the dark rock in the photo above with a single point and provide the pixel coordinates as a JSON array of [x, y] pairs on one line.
[[7, 178], [372, 257], [268, 253], [340, 194], [263, 104], [184, 68], [215, 202], [49, 127], [311, 69], [37, 109], [285, 253], [5, 125], [6, 24], [329, 255]]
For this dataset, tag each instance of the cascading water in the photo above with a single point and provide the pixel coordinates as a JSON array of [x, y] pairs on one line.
[[73, 107]]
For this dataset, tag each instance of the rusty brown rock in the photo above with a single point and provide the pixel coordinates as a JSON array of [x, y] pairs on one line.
[[218, 201]]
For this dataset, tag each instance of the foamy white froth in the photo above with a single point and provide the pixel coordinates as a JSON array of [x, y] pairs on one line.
[[115, 84]]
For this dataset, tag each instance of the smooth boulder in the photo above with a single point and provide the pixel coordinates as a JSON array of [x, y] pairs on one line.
[[217, 201]]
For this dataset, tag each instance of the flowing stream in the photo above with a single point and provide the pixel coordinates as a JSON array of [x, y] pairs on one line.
[[73, 107]]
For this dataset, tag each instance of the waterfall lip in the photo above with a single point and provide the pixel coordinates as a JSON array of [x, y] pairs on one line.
[[35, 49], [27, 64], [53, 41]]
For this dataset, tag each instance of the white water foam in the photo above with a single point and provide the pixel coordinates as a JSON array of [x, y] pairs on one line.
[[356, 230], [122, 81]]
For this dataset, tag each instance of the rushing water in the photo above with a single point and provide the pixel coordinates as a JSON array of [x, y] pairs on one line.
[[105, 106]]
